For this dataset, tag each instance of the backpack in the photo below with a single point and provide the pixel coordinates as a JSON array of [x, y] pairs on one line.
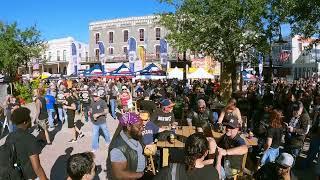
[[10, 169]]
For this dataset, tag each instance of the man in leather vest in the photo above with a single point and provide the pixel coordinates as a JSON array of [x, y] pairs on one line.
[[126, 159], [201, 118]]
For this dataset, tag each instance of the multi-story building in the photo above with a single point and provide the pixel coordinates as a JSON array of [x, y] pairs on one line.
[[62, 55], [114, 35]]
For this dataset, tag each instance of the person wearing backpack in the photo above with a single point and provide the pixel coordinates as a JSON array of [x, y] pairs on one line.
[[25, 151]]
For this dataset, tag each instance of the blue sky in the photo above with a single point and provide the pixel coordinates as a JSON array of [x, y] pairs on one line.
[[62, 18]]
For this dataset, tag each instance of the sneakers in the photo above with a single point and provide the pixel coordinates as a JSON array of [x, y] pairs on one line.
[[81, 135], [72, 141]]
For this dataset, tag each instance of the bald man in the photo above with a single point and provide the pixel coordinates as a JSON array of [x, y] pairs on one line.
[[201, 117]]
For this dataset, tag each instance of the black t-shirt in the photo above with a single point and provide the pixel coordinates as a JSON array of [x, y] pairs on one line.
[[227, 143], [85, 97], [69, 101], [275, 134], [208, 172], [161, 118], [26, 146]]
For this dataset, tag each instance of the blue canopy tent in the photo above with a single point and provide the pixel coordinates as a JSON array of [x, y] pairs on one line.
[[94, 71], [151, 69], [123, 70]]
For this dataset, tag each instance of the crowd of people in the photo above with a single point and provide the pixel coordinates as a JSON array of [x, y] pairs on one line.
[[283, 116]]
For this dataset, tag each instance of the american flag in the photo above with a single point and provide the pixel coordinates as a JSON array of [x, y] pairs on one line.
[[284, 55]]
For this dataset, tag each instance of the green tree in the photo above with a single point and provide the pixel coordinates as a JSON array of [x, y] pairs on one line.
[[18, 47], [222, 29]]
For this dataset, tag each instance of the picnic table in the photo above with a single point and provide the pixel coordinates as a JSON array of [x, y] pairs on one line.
[[182, 132]]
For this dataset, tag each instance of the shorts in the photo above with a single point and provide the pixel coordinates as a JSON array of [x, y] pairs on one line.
[[43, 123], [70, 121]]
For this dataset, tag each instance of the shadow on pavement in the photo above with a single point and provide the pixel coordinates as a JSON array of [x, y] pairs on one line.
[[59, 168]]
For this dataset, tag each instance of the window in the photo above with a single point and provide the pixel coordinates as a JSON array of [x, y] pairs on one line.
[[87, 56], [157, 51], [125, 50], [111, 51], [79, 45], [64, 55], [125, 35], [80, 55], [97, 37], [158, 33], [97, 54], [50, 56], [58, 55], [50, 70], [141, 34], [110, 37]]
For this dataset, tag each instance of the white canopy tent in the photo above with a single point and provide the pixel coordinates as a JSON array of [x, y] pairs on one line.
[[200, 73], [175, 73]]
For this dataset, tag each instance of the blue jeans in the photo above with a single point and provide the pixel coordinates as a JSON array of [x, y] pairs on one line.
[[270, 155], [62, 114], [95, 134], [51, 117], [113, 104]]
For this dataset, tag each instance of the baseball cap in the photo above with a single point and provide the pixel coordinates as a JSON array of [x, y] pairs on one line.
[[167, 102], [231, 121], [129, 118], [285, 160]]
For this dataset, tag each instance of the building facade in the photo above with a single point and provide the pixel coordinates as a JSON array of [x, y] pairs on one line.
[[114, 34], [63, 56]]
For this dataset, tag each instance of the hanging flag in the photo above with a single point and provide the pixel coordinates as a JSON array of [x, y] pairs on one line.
[[142, 56], [163, 53], [132, 44], [102, 56], [284, 55], [260, 65], [74, 58]]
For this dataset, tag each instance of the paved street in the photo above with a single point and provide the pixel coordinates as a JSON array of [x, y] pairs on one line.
[[54, 157]]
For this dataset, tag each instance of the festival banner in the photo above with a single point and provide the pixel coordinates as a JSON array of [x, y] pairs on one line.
[[132, 48], [142, 57], [163, 52], [74, 58], [102, 56]]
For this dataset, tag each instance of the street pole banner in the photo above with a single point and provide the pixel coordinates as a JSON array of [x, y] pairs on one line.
[[163, 53], [74, 58], [102, 56], [141, 53], [260, 65], [132, 49]]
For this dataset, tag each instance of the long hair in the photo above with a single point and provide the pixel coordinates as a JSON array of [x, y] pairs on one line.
[[231, 104], [276, 119], [195, 147]]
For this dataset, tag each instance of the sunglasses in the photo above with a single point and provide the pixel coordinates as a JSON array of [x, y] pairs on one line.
[[124, 89], [202, 107]]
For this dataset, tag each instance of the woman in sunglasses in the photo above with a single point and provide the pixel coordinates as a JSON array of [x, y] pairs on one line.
[[125, 97]]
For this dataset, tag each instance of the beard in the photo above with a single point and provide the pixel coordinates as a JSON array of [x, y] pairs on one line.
[[135, 135]]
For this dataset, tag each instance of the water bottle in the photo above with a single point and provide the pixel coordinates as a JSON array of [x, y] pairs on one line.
[[227, 168]]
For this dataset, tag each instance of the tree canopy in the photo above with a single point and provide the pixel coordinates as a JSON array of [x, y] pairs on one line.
[[18, 47]]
